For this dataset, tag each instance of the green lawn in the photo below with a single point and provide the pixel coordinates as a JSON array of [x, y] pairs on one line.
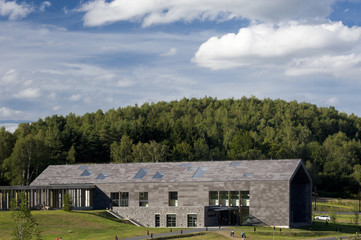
[[77, 225], [99, 225]]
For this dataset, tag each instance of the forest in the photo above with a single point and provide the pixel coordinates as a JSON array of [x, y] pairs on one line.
[[204, 129]]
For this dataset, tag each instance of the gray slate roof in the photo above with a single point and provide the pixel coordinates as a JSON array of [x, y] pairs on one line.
[[229, 171]]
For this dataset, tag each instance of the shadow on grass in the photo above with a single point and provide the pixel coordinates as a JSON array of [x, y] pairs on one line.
[[105, 215], [333, 227]]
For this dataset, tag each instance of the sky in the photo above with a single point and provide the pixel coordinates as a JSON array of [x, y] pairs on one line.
[[78, 56]]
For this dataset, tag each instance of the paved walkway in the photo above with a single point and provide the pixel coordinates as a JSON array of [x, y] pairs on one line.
[[177, 232]]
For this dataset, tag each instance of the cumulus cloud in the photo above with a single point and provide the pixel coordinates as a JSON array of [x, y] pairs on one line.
[[310, 48], [7, 113], [28, 93], [44, 5], [13, 10], [151, 12], [75, 97]]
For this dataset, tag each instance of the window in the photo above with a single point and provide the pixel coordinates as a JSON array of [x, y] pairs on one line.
[[245, 198], [173, 199], [143, 199], [171, 220], [224, 198], [141, 173], [192, 220], [124, 199], [157, 220], [114, 196], [234, 199], [200, 172], [213, 198]]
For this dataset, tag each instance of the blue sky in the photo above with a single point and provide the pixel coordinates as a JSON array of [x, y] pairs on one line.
[[76, 56]]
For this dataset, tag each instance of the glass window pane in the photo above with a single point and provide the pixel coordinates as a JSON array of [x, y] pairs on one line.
[[173, 199], [171, 220], [143, 199], [192, 220], [234, 199], [114, 196], [124, 199], [245, 198], [224, 198], [213, 198]]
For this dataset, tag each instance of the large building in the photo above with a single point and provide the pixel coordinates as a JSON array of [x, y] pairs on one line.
[[180, 194]]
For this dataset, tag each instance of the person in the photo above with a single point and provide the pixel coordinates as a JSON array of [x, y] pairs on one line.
[[116, 237], [57, 238], [232, 233], [60, 238]]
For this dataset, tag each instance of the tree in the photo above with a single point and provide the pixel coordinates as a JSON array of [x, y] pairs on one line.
[[27, 160], [7, 142], [26, 227], [67, 203], [122, 152], [71, 157]]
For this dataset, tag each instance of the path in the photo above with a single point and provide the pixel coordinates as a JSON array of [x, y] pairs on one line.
[[186, 231]]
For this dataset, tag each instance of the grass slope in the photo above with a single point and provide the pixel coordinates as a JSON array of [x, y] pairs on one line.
[[77, 225], [99, 225]]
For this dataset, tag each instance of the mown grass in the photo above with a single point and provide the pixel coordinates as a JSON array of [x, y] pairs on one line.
[[99, 225], [77, 225]]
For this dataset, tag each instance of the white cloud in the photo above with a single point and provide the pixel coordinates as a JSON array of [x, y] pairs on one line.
[[28, 93], [13, 10], [339, 66], [44, 5], [9, 77], [333, 101], [265, 45], [7, 113], [150, 12], [170, 52], [75, 97]]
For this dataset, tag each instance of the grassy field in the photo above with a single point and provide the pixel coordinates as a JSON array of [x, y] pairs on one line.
[[77, 225], [99, 225]]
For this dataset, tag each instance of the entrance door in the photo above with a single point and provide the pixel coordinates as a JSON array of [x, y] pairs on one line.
[[157, 220]]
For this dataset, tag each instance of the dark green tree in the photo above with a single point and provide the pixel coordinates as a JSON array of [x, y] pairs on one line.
[[26, 227]]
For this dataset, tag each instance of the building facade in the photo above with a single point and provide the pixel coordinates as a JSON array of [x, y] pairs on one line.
[[179, 194]]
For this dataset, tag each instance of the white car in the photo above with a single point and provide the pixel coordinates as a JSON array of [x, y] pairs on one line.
[[323, 217]]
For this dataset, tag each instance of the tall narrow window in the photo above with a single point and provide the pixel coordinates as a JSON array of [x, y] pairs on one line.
[[213, 198], [234, 199], [124, 199], [173, 199], [114, 196], [224, 198], [171, 220], [245, 198], [192, 220], [143, 199], [157, 220]]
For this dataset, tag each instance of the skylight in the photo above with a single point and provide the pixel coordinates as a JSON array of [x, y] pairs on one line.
[[101, 176], [83, 167], [200, 172], [235, 164], [141, 173], [186, 165], [85, 173], [246, 175], [159, 174]]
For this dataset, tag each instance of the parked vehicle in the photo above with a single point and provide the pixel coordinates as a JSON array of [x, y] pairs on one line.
[[323, 217]]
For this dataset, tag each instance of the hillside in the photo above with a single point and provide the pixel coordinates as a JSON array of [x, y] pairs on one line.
[[193, 129]]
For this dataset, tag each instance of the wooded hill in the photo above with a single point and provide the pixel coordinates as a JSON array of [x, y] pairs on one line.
[[193, 130]]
